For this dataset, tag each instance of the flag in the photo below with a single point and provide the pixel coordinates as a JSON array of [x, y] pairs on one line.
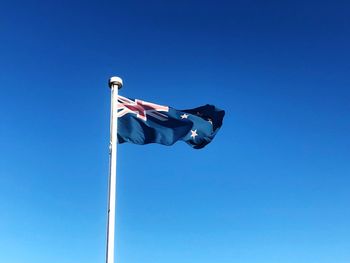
[[142, 122]]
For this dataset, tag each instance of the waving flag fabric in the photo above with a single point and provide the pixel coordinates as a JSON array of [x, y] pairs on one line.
[[142, 122]]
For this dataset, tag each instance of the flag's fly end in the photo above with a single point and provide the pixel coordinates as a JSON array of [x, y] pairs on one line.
[[115, 81]]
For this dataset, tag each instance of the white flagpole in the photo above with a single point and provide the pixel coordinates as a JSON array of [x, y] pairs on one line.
[[115, 83]]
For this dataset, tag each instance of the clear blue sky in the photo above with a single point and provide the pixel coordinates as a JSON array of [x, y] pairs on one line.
[[272, 187]]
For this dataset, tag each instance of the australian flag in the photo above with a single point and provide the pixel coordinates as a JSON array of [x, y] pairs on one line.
[[142, 122]]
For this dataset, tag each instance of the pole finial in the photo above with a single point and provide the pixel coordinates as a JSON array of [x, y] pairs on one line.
[[115, 81]]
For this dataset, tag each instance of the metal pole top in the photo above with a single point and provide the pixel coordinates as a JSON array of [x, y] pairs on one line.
[[115, 81]]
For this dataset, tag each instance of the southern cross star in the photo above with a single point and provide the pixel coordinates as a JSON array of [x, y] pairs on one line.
[[194, 134], [184, 116]]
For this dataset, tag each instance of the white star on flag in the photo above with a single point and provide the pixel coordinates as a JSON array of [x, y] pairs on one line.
[[194, 134], [184, 116]]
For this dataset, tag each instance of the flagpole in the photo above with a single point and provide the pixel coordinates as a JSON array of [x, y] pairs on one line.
[[115, 83]]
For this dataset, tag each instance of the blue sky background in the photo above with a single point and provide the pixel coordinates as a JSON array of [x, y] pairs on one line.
[[272, 187]]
